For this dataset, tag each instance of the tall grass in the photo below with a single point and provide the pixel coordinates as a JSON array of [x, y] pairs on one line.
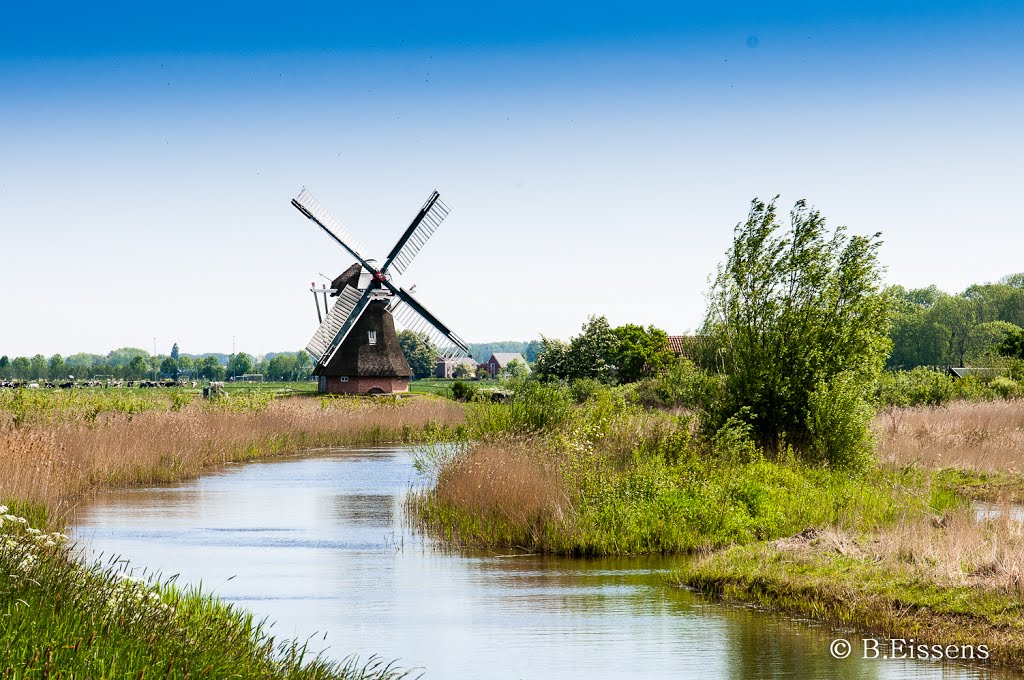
[[984, 436], [65, 619], [57, 452], [604, 476]]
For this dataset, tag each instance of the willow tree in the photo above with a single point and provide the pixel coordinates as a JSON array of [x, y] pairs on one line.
[[800, 321]]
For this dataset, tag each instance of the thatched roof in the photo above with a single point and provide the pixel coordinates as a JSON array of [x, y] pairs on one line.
[[349, 277]]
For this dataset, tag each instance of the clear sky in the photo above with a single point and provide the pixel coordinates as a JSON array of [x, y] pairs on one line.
[[596, 156]]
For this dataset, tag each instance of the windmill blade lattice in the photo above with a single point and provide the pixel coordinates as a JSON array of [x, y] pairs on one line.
[[447, 345], [307, 203], [321, 342], [419, 232]]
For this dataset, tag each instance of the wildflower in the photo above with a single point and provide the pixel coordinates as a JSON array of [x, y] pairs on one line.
[[3, 509]]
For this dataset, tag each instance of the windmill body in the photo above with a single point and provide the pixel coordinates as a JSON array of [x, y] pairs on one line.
[[356, 348]]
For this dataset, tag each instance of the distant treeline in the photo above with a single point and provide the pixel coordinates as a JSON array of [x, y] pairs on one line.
[[133, 363], [934, 328]]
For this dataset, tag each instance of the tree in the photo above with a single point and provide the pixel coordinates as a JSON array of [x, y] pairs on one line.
[[169, 368], [56, 369], [137, 368], [303, 365], [1012, 344], [186, 367], [281, 367], [463, 371], [39, 367], [418, 351], [239, 364], [514, 369], [21, 368], [802, 323], [5, 367], [174, 352], [591, 354], [640, 352], [209, 368]]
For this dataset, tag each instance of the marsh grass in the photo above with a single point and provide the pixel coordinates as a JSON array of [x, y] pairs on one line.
[[64, 619], [943, 580], [983, 436], [604, 477], [61, 450]]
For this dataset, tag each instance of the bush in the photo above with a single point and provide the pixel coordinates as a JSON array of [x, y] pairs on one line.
[[918, 387], [463, 391], [1006, 388], [683, 385], [838, 421]]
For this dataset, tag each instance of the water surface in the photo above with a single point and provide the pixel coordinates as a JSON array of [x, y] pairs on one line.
[[318, 544]]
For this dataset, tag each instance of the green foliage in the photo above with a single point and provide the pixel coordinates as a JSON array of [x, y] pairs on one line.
[[682, 385], [635, 481], [790, 314], [1012, 344], [462, 391], [918, 387], [209, 368], [419, 352], [137, 368], [623, 354], [239, 364], [838, 420], [169, 368], [514, 369], [933, 328], [640, 352], [175, 353]]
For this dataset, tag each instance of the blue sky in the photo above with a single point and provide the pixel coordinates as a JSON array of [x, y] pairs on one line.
[[596, 156]]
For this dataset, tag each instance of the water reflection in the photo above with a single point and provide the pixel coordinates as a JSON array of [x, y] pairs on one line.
[[318, 544]]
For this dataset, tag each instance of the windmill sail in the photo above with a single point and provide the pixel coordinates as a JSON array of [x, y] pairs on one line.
[[307, 204], [423, 226], [323, 340], [415, 317]]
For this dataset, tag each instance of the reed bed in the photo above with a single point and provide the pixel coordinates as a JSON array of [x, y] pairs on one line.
[[985, 436], [50, 461]]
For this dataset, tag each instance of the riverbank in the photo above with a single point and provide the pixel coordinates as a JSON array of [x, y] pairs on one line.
[[59, 447], [65, 619], [949, 579], [557, 473], [949, 582]]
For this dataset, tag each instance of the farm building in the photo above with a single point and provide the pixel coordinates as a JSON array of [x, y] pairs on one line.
[[446, 368], [500, 360]]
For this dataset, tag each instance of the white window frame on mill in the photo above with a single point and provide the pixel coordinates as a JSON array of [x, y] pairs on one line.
[[372, 336]]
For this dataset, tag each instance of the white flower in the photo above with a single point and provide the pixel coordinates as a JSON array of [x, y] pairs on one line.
[[3, 509]]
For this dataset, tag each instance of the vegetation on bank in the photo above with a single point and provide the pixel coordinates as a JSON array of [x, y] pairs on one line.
[[56, 447], [65, 619], [948, 580]]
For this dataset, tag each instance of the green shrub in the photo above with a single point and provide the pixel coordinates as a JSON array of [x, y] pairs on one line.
[[462, 391], [1006, 388], [839, 421]]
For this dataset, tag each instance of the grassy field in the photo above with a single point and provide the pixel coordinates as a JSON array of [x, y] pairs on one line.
[[443, 387]]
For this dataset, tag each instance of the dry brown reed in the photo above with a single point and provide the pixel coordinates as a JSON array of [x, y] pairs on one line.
[[957, 549], [983, 436], [54, 465], [513, 480]]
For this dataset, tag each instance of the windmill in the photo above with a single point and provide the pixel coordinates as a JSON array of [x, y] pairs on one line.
[[355, 347]]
